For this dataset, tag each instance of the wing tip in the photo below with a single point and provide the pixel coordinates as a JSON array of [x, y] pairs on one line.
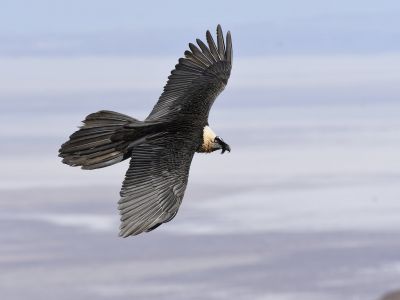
[[221, 42], [222, 51], [126, 231], [122, 235], [229, 51]]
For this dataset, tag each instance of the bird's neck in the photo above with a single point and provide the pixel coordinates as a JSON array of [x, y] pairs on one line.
[[208, 140]]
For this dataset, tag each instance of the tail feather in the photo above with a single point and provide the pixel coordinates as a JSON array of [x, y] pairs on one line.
[[93, 145]]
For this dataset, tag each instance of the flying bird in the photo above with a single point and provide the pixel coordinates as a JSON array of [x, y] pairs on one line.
[[161, 147]]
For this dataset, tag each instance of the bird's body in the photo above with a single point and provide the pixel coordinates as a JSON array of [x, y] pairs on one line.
[[162, 146]]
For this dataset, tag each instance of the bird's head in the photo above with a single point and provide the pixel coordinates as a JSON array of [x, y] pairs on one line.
[[212, 142], [219, 144]]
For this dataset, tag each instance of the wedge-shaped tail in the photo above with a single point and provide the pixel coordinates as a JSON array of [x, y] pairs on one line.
[[96, 145]]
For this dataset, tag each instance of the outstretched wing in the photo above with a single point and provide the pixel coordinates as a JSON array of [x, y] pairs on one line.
[[155, 182], [199, 77]]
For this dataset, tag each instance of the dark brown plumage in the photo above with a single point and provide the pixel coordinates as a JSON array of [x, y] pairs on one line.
[[161, 147]]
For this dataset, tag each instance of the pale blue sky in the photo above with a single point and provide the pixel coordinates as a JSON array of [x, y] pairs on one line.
[[285, 51], [83, 28]]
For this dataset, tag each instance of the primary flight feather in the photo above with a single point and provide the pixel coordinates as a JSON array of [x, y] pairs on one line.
[[161, 147]]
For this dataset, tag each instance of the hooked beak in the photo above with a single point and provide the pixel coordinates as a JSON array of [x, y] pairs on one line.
[[222, 145]]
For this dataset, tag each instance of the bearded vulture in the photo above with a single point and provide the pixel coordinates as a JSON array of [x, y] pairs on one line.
[[161, 147]]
